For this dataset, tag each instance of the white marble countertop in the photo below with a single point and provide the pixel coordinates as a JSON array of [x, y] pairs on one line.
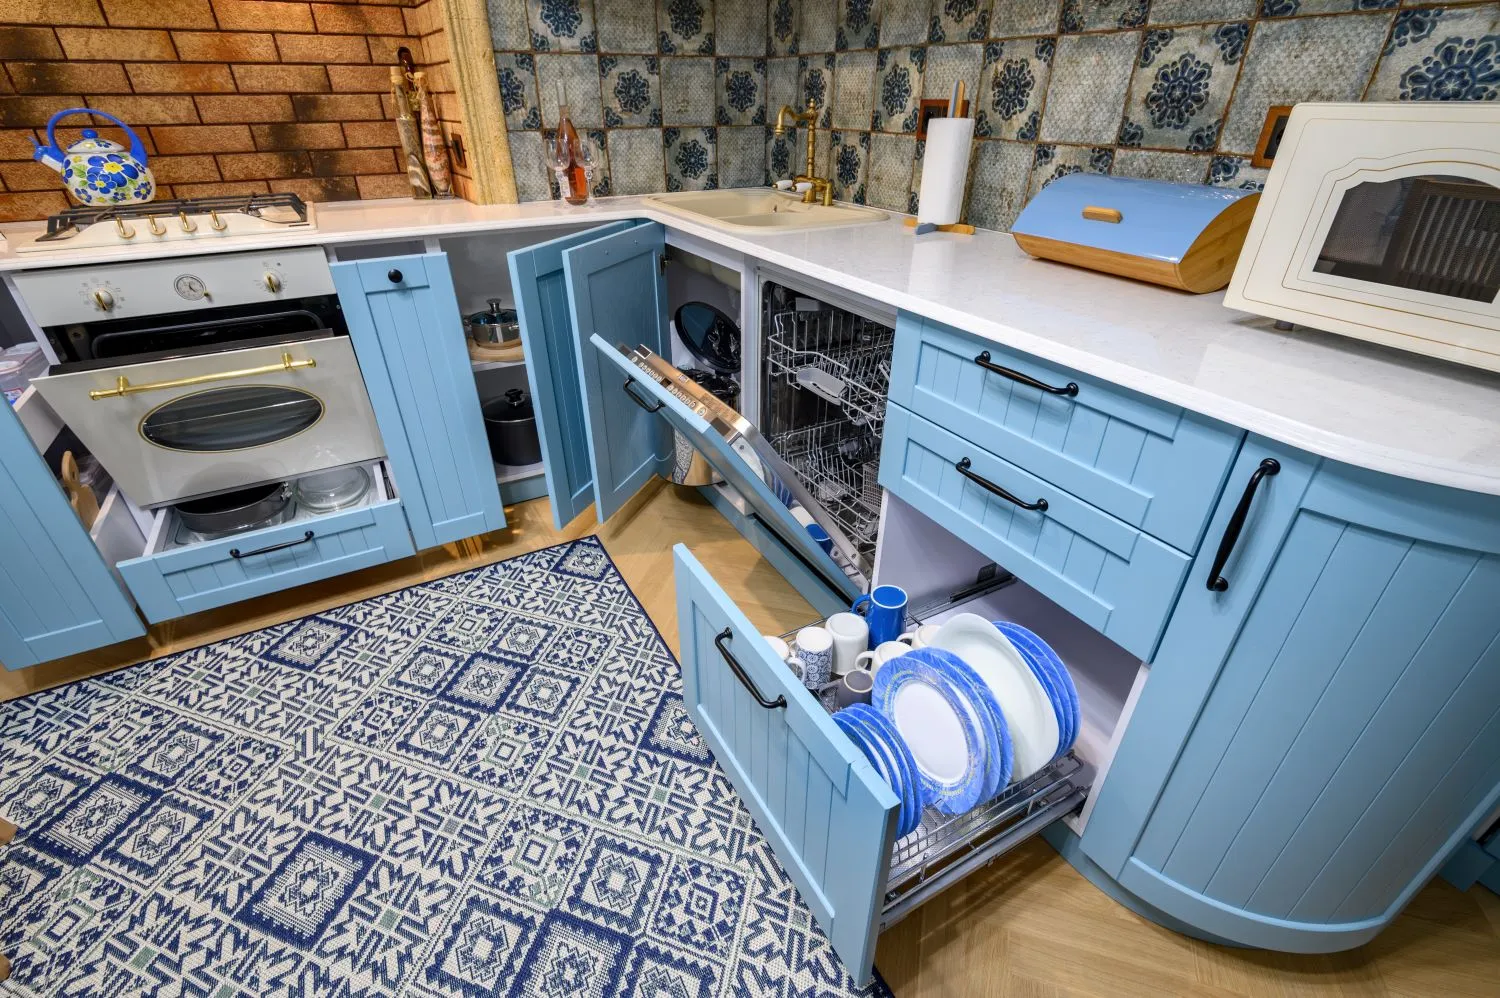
[[1370, 406]]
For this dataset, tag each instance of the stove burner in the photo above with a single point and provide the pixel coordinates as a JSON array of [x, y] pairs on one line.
[[279, 209]]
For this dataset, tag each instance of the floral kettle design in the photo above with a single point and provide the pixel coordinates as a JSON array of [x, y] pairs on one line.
[[97, 171]]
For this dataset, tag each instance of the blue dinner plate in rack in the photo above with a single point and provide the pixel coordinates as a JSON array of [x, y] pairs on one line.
[[885, 764], [1054, 675], [933, 718], [1000, 757], [891, 739]]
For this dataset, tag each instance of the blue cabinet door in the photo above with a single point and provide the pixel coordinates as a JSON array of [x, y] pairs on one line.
[[536, 276], [828, 816], [57, 597], [403, 318], [615, 291], [1313, 741]]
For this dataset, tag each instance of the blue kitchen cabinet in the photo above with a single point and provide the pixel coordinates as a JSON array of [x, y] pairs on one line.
[[1322, 730], [403, 318], [57, 596]]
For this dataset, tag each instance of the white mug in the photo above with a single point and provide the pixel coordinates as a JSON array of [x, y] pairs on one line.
[[815, 649], [883, 653], [921, 637], [851, 635], [784, 653]]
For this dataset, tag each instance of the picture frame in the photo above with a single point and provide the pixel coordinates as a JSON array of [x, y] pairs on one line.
[[935, 107]]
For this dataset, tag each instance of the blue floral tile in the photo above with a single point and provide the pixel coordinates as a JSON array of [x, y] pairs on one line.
[[891, 158], [904, 22], [851, 155], [685, 27], [898, 89], [781, 27], [817, 26], [1173, 167], [741, 88], [687, 90], [947, 64], [625, 26], [1183, 78], [578, 77], [1448, 53], [1026, 17], [509, 30], [817, 86], [742, 157], [997, 183], [691, 156], [783, 85], [853, 86], [1011, 89], [1086, 92], [1103, 15], [786, 156], [959, 21], [562, 25], [630, 87], [1192, 11], [742, 29], [599, 183], [516, 74], [858, 27], [1291, 8], [635, 160], [1236, 171], [1048, 162], [1301, 59]]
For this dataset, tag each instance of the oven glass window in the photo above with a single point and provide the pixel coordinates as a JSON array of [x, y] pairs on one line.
[[226, 419], [1437, 234]]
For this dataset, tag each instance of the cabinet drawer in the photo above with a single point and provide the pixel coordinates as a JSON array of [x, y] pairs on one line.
[[1153, 465], [1113, 577], [173, 579]]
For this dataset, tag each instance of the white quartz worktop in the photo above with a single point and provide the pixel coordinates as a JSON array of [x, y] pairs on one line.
[[1370, 406]]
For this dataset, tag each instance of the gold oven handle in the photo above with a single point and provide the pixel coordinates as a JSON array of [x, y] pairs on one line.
[[124, 387]]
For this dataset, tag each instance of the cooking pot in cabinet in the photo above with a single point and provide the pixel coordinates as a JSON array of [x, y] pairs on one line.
[[510, 424]]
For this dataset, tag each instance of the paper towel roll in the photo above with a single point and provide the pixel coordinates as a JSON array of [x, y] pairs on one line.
[[945, 166]]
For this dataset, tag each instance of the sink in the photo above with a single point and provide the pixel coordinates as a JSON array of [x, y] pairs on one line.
[[762, 210]]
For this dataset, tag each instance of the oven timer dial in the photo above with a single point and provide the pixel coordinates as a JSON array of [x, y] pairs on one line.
[[272, 280]]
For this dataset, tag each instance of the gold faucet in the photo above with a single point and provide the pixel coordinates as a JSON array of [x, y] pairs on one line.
[[820, 186]]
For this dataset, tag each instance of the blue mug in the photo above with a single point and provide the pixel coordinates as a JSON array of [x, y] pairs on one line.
[[820, 537], [884, 609]]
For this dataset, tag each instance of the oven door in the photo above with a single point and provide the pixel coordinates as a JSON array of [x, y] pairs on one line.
[[169, 430]]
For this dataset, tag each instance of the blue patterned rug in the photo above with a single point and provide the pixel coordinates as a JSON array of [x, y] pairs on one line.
[[486, 785]]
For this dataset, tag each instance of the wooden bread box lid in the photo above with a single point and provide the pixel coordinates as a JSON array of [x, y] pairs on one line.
[[1185, 236]]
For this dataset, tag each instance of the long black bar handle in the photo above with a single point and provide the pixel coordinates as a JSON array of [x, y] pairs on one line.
[[1216, 581], [237, 553], [649, 407], [739, 673], [983, 360], [990, 487]]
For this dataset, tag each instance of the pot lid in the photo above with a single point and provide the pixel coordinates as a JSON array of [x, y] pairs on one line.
[[710, 335], [493, 315], [514, 404]]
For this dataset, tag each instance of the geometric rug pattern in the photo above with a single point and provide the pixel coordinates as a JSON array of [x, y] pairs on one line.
[[484, 785]]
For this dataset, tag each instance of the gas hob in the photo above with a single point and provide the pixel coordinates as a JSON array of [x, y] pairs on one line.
[[170, 221]]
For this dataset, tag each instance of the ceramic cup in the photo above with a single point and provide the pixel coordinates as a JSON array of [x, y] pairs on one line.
[[854, 688], [784, 653], [851, 635], [920, 637], [883, 653], [885, 611], [815, 649], [820, 537]]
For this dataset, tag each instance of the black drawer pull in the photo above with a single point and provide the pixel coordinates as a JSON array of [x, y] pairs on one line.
[[1216, 581], [237, 553], [739, 673], [983, 360], [993, 489], [393, 275], [648, 406]]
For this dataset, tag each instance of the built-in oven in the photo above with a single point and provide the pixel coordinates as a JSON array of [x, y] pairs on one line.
[[190, 377]]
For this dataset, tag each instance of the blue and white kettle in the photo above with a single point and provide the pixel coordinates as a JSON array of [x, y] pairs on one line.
[[97, 171]]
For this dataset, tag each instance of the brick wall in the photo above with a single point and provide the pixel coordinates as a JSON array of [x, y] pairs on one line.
[[229, 96]]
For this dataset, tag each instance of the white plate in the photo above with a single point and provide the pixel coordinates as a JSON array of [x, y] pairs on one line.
[[1023, 699]]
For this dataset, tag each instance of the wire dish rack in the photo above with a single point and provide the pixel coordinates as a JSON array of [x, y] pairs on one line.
[[839, 463], [841, 357]]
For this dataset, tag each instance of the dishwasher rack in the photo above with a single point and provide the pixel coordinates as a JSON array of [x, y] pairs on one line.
[[838, 462], [839, 356]]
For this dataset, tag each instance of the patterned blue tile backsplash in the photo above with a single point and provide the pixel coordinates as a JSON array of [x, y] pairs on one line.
[[680, 94]]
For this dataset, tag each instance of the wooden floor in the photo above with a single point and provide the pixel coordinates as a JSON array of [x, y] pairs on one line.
[[1028, 925]]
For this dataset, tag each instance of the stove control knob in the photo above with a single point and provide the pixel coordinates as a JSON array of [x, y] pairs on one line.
[[272, 281], [103, 299]]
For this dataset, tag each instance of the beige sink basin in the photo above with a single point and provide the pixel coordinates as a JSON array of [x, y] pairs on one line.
[[761, 210]]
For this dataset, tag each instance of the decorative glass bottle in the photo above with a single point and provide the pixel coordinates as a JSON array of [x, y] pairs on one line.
[[572, 178]]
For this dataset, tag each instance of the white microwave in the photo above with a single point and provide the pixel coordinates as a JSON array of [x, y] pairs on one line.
[[1382, 222]]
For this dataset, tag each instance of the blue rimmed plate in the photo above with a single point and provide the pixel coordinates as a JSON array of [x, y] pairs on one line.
[[933, 718], [1054, 675], [875, 729], [881, 759], [1000, 754]]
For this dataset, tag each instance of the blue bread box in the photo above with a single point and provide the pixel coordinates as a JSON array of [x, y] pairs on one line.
[[1185, 236]]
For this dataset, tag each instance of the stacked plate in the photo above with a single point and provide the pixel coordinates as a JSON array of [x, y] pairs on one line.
[[887, 752], [1054, 677]]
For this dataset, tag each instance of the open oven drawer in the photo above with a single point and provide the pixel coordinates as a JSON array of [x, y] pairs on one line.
[[176, 575], [827, 814]]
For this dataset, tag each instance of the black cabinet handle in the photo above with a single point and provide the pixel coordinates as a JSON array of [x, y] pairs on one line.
[[739, 673], [993, 489], [648, 406], [1216, 581], [237, 553], [983, 360], [393, 275]]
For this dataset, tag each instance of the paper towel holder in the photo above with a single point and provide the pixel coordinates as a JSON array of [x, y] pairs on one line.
[[937, 107]]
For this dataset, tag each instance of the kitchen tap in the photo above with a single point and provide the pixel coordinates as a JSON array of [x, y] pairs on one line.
[[820, 187]]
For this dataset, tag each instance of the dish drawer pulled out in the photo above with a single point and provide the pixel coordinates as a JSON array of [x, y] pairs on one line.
[[825, 811]]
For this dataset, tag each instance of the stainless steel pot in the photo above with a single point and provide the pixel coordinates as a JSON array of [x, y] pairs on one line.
[[494, 325], [237, 511]]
